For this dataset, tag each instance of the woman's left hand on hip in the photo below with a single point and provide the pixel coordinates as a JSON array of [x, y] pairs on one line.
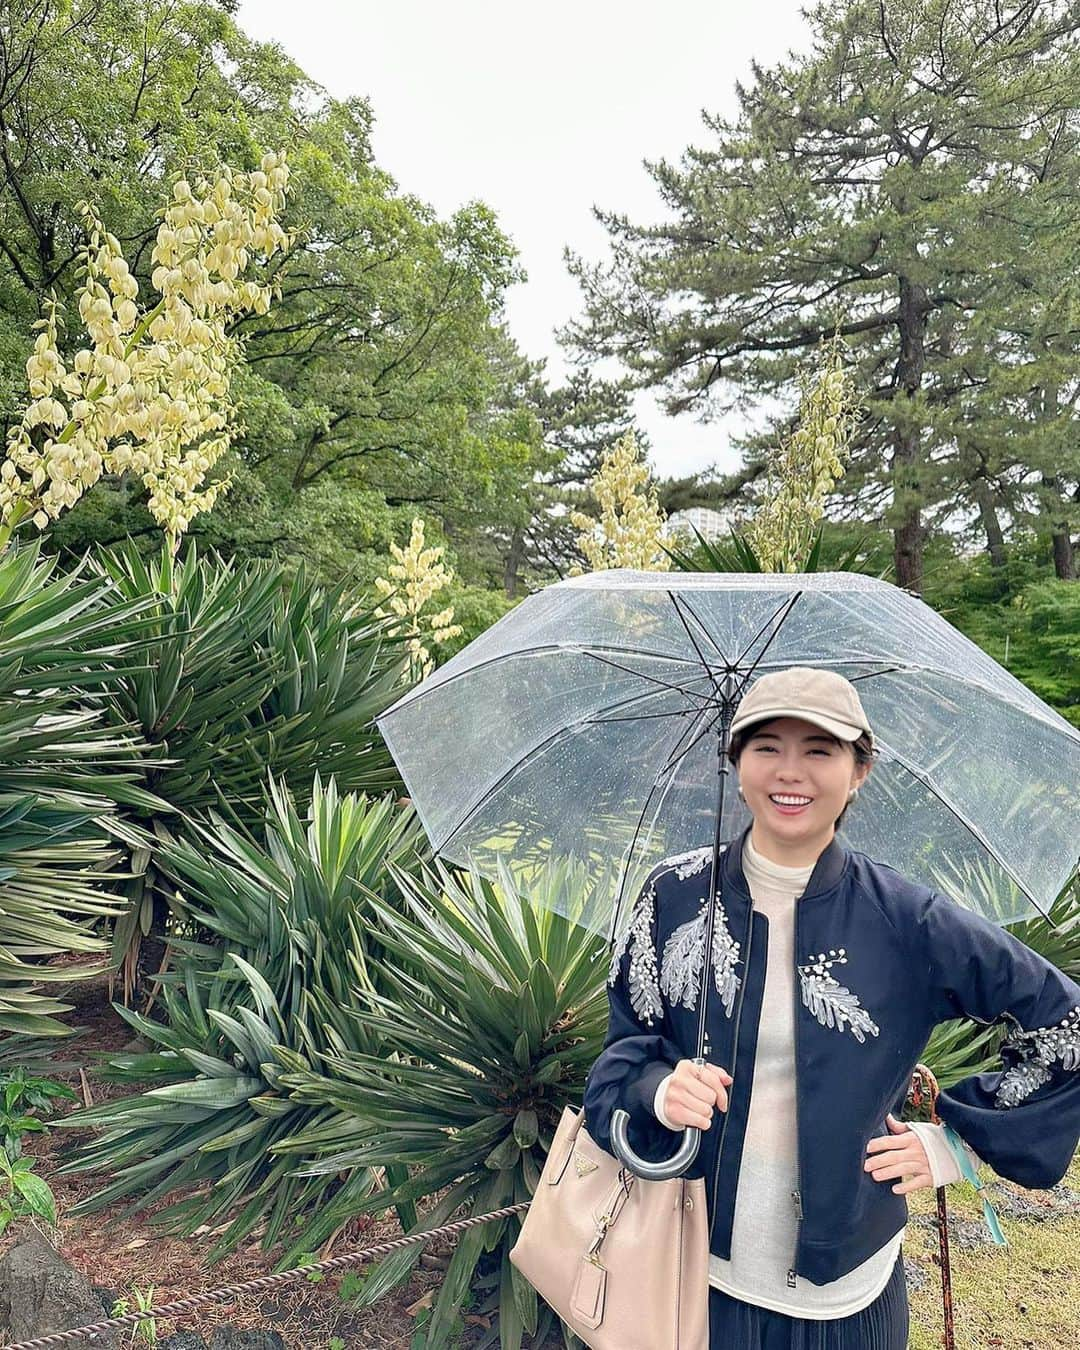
[[899, 1154]]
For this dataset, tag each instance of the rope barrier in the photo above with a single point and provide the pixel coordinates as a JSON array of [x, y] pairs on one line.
[[182, 1306]]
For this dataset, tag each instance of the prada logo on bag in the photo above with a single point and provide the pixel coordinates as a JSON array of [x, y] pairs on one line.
[[582, 1166]]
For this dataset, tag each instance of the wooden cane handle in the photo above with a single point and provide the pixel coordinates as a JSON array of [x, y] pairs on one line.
[[922, 1075]]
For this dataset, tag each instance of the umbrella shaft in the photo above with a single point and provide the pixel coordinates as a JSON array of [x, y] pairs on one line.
[[723, 767]]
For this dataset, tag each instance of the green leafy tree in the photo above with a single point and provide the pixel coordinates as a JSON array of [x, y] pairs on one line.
[[363, 392]]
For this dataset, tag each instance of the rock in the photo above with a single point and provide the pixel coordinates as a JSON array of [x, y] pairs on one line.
[[183, 1340], [228, 1338], [40, 1293], [106, 1297], [914, 1273], [968, 1234], [1013, 1202]]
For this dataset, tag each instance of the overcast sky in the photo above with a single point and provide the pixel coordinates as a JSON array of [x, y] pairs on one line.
[[542, 112]]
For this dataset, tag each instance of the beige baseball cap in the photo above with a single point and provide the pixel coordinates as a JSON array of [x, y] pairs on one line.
[[819, 696]]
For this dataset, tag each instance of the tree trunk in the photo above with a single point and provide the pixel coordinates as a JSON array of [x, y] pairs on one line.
[[1060, 539], [1064, 556], [908, 533], [514, 558], [995, 540]]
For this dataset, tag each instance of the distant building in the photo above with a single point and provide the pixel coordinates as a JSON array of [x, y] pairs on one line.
[[709, 524]]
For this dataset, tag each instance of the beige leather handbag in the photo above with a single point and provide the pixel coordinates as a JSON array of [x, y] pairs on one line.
[[624, 1262]]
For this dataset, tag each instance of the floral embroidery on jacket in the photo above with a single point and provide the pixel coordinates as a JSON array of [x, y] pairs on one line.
[[1035, 1053], [830, 1002], [641, 977], [683, 951], [684, 954], [725, 957], [689, 864], [680, 969]]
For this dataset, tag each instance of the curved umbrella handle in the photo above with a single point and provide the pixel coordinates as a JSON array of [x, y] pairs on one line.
[[653, 1171]]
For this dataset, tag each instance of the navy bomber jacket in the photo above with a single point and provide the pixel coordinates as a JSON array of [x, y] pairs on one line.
[[881, 961]]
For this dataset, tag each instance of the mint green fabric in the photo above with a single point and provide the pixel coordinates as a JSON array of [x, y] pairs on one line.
[[964, 1163]]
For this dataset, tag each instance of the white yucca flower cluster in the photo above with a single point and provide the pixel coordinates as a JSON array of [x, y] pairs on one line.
[[151, 393], [628, 531], [416, 575], [804, 470]]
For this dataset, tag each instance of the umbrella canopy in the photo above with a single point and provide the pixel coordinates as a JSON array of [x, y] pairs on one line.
[[583, 728]]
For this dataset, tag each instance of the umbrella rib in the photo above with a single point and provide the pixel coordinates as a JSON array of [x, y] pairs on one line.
[[712, 641], [646, 717], [641, 817], [629, 670], [782, 613], [704, 731], [869, 674], [542, 746], [546, 648], [772, 619], [973, 830]]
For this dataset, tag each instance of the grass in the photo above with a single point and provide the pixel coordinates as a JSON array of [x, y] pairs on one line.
[[1025, 1296]]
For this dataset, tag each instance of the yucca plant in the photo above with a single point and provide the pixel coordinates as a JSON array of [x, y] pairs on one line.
[[1055, 935], [492, 1014], [281, 903], [292, 918], [738, 555], [67, 776], [204, 1130], [960, 1048], [246, 673]]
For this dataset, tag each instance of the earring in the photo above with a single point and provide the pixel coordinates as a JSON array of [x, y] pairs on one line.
[[853, 794], [739, 793]]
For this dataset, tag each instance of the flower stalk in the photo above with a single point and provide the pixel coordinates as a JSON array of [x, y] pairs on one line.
[[150, 393]]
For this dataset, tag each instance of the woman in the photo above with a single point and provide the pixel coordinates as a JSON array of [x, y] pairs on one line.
[[828, 972]]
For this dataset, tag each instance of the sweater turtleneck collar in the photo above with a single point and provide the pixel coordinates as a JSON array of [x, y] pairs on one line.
[[762, 871]]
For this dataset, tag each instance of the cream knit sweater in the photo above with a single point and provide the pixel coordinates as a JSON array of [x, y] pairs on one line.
[[764, 1233]]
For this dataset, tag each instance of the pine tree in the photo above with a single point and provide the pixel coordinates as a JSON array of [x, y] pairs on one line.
[[897, 182]]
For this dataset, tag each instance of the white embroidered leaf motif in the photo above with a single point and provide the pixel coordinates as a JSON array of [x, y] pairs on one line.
[[680, 970], [725, 957], [690, 864], [684, 955], [684, 950], [1020, 1081], [830, 1002], [1035, 1053], [641, 977]]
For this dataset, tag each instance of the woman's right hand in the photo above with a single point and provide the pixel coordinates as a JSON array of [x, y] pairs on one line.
[[693, 1091]]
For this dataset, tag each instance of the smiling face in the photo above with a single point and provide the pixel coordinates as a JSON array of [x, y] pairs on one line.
[[795, 778]]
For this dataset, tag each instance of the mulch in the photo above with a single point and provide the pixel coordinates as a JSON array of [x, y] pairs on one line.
[[118, 1250]]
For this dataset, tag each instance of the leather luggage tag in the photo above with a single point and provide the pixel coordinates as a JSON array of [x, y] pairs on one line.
[[587, 1299]]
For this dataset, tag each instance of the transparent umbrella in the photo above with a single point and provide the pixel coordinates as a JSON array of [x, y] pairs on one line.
[[588, 728], [584, 727]]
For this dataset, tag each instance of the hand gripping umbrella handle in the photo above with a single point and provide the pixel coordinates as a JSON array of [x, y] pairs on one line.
[[653, 1171]]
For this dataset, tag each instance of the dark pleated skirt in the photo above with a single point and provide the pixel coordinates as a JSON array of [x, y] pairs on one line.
[[881, 1325]]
